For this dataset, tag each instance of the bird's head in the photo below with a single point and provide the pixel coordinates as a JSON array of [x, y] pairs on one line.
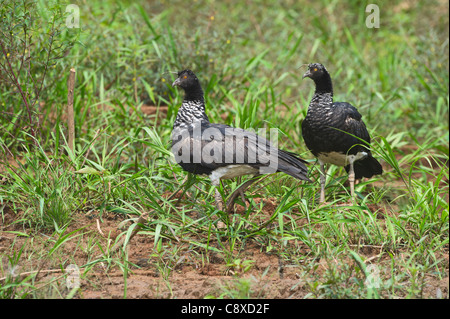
[[190, 84], [186, 80], [315, 71]]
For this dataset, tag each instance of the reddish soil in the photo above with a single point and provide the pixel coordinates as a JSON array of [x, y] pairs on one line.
[[188, 279], [269, 276], [189, 276]]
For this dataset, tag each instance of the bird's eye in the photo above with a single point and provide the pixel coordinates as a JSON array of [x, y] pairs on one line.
[[315, 69], [185, 77]]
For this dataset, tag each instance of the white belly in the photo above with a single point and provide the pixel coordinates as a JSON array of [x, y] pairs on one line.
[[340, 159], [232, 171]]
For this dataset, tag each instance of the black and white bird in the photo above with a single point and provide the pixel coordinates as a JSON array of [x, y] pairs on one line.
[[335, 133], [221, 151]]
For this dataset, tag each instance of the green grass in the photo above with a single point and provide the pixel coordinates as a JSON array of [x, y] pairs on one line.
[[247, 57]]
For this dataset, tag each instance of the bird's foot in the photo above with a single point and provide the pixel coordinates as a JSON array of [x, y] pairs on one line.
[[240, 191]]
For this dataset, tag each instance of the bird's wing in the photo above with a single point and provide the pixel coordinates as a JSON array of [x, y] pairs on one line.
[[217, 145], [249, 148], [213, 145], [241, 146], [352, 122]]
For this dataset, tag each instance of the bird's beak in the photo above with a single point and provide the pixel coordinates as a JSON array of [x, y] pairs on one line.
[[176, 82], [306, 75]]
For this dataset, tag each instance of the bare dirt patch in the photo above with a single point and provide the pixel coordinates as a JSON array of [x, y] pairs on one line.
[[268, 277], [192, 275]]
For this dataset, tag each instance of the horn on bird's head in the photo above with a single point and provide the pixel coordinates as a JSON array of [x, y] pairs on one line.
[[301, 66]]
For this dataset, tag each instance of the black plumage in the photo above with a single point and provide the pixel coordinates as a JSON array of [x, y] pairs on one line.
[[335, 133], [221, 151]]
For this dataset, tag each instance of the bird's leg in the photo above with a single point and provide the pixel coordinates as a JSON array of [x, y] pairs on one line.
[[351, 179], [241, 189], [217, 196], [241, 192], [322, 182]]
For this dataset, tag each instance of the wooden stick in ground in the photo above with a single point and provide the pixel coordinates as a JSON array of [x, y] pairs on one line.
[[33, 272], [70, 115]]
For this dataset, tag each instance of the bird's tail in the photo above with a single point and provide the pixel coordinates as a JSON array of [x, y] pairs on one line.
[[366, 167], [293, 165]]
